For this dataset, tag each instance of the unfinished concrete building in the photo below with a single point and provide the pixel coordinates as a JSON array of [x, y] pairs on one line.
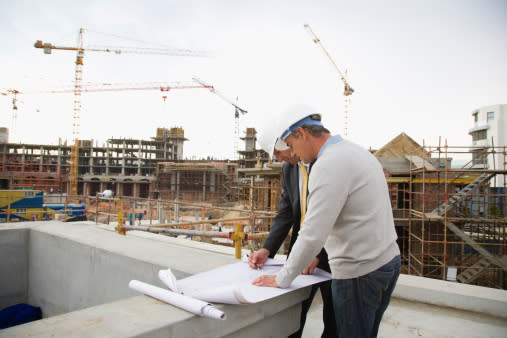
[[123, 165]]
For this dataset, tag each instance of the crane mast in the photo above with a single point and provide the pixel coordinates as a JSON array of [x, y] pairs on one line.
[[74, 152], [347, 92], [48, 47]]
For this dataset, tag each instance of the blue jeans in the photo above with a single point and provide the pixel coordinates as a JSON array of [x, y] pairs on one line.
[[359, 303]]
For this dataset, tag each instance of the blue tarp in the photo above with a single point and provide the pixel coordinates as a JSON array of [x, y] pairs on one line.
[[19, 314]]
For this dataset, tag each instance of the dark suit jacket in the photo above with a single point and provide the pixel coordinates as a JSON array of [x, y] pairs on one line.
[[289, 215]]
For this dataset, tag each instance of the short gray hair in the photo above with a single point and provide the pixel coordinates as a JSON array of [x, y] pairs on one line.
[[314, 130]]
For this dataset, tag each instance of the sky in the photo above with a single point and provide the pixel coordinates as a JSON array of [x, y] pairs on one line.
[[418, 67]]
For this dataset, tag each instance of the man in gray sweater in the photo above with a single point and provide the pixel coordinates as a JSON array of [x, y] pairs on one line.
[[349, 214]]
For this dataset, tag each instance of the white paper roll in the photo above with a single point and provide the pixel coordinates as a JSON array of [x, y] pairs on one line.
[[168, 278], [189, 304]]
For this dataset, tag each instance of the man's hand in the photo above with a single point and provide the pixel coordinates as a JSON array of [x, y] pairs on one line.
[[258, 258], [266, 280], [310, 269]]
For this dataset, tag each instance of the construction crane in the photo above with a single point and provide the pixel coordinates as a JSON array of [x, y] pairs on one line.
[[14, 110], [347, 90], [237, 112], [101, 87], [48, 47]]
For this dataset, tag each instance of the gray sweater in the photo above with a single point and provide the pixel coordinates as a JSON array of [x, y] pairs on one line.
[[349, 213]]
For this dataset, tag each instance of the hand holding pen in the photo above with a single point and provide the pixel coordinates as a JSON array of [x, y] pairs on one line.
[[257, 259]]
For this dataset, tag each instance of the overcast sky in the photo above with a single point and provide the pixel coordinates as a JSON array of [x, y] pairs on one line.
[[419, 67]]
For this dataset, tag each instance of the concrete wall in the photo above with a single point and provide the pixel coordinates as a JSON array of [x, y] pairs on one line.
[[64, 267], [66, 275], [79, 273], [13, 266]]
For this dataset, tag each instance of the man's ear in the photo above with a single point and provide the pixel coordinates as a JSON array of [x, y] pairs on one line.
[[302, 132]]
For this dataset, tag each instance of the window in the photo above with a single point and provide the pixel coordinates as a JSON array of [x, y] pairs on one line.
[[491, 115], [479, 135]]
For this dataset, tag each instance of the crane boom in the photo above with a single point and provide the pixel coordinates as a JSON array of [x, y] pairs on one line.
[[112, 87], [48, 47], [214, 91], [348, 89]]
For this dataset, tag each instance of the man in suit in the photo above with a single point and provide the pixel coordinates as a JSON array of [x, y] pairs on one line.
[[287, 218]]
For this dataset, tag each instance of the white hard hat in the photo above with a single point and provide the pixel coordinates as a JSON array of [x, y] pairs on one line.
[[295, 116], [280, 144]]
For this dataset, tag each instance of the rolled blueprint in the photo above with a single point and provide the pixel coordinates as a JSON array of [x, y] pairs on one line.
[[186, 303]]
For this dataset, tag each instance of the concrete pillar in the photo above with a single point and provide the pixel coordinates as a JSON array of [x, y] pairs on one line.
[[59, 161], [204, 186], [160, 213], [123, 159], [178, 184], [108, 155], [90, 161], [118, 190], [41, 159], [139, 160], [176, 212], [212, 182], [134, 192]]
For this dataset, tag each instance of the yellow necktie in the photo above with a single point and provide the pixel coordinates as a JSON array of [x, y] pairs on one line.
[[304, 189]]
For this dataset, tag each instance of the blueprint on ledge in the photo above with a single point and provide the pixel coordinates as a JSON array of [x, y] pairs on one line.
[[232, 284]]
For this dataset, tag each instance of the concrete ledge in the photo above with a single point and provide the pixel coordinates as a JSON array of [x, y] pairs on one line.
[[78, 273], [454, 295], [148, 317]]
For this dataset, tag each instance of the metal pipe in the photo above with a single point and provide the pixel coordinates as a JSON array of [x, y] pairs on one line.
[[189, 232], [201, 222]]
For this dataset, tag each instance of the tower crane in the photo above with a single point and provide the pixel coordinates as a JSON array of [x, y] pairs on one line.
[[347, 89], [237, 111], [48, 47], [101, 87]]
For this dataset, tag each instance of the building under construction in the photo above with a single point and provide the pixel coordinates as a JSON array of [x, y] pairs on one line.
[[457, 223], [123, 165], [450, 217]]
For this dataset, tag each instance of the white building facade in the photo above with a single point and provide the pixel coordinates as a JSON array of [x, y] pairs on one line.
[[490, 129]]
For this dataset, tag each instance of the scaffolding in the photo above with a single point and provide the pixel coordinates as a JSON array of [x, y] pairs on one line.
[[457, 221], [37, 174]]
